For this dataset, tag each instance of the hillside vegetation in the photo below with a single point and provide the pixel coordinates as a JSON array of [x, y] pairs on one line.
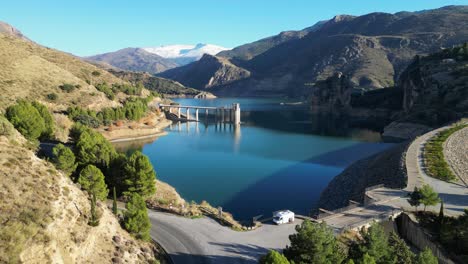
[[30, 71], [45, 216], [157, 84]]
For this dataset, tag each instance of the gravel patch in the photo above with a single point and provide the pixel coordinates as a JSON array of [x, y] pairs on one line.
[[456, 153]]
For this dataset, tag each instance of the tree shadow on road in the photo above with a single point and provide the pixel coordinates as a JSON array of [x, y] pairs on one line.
[[233, 253]]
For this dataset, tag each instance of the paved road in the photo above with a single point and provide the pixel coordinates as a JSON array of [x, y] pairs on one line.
[[203, 240], [454, 195], [194, 241]]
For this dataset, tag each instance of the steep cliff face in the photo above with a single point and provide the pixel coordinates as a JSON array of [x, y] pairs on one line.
[[436, 87], [210, 71], [332, 95], [372, 50]]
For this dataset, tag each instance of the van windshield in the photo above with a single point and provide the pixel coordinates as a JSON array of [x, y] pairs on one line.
[[276, 218]]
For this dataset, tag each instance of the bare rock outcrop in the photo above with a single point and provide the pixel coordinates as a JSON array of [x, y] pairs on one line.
[[332, 96]]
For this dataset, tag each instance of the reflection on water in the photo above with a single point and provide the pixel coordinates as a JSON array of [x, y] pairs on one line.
[[280, 157]]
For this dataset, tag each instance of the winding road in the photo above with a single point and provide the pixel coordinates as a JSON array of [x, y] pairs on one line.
[[203, 240], [194, 241]]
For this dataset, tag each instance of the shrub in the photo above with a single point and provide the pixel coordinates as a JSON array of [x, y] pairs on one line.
[[66, 87], [273, 257], [88, 120], [52, 96], [104, 88]]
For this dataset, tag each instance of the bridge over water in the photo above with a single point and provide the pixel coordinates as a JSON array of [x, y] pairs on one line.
[[228, 114]]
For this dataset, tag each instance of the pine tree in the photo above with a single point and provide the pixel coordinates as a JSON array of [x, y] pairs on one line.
[[93, 148], [375, 243], [400, 252], [314, 243], [136, 220], [49, 122], [139, 175], [64, 159], [114, 202], [426, 257], [91, 179], [428, 196], [273, 257]]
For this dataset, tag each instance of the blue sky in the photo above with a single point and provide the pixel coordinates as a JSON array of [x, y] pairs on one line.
[[88, 27]]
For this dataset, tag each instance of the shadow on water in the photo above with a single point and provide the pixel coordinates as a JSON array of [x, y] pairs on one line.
[[297, 187]]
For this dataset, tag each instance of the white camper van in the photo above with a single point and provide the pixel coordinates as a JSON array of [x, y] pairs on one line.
[[283, 217]]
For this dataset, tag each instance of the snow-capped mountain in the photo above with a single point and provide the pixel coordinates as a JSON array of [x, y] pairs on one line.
[[184, 54]]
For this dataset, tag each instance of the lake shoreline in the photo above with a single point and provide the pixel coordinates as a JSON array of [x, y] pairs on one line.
[[132, 132]]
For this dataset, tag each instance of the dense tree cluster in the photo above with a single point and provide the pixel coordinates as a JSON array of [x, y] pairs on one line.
[[133, 109], [93, 162], [100, 166], [32, 120], [111, 91], [316, 243]]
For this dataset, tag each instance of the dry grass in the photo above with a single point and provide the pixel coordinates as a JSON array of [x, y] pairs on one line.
[[44, 217], [30, 71]]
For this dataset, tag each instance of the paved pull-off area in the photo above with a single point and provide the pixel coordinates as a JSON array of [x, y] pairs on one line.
[[203, 240]]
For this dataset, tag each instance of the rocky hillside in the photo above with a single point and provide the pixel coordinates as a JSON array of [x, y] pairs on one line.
[[373, 50], [208, 72], [384, 168], [45, 216], [160, 85], [436, 87], [135, 59], [248, 51], [9, 30], [34, 72]]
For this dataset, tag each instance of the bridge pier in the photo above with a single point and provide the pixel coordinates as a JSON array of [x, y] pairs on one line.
[[224, 114]]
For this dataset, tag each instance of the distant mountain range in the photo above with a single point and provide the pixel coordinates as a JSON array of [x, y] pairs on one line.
[[155, 59], [373, 50], [135, 59], [185, 54]]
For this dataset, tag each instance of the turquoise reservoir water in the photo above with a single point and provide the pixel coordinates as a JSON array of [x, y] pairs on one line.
[[279, 158]]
